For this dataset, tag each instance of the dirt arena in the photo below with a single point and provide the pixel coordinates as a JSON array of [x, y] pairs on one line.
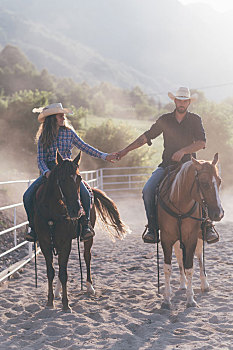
[[126, 311]]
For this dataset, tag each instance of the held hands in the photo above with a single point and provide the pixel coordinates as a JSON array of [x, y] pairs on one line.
[[112, 157], [121, 154]]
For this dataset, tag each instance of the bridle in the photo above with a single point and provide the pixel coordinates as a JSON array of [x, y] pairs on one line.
[[181, 216], [64, 200]]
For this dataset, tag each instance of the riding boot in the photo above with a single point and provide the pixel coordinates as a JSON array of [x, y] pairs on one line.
[[152, 234], [87, 230], [31, 236], [211, 235]]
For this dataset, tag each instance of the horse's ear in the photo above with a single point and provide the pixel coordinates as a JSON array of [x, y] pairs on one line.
[[215, 160], [196, 163], [59, 158], [77, 159]]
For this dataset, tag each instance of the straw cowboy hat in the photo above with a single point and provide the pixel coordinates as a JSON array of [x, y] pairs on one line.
[[183, 93], [54, 108]]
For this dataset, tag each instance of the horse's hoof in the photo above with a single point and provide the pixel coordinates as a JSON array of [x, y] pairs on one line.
[[205, 289], [191, 304], [57, 296], [182, 287], [90, 288], [49, 306], [67, 309], [166, 306]]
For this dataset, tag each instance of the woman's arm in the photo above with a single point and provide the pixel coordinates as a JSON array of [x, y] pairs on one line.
[[41, 159]]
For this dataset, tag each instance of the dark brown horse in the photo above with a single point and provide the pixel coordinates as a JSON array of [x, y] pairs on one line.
[[57, 213], [194, 185]]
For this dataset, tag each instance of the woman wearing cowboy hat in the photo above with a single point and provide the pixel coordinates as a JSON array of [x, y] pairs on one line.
[[55, 133], [183, 135]]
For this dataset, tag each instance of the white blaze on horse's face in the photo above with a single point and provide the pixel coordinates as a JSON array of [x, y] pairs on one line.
[[217, 197], [74, 177]]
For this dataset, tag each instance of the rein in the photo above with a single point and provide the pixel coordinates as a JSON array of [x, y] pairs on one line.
[[180, 216], [52, 223]]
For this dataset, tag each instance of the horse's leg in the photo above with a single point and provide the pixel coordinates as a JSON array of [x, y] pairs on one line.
[[167, 250], [57, 294], [63, 257], [188, 266], [87, 258], [87, 254], [198, 252], [179, 257], [50, 273]]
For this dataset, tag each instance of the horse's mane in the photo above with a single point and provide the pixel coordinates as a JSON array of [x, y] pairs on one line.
[[180, 178], [188, 169]]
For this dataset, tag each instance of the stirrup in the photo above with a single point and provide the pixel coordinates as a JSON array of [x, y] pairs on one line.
[[31, 236], [155, 237], [90, 233], [214, 231]]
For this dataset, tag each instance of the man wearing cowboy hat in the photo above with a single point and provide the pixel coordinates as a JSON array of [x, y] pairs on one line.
[[183, 135], [56, 133]]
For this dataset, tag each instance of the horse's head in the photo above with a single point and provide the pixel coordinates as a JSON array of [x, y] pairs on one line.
[[209, 182], [68, 181]]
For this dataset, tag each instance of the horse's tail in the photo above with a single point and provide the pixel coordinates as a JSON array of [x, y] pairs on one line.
[[109, 214]]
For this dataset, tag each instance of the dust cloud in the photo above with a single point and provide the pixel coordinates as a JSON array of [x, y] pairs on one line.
[[227, 203]]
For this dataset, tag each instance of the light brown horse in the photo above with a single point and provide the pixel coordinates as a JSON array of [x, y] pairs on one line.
[[194, 186], [57, 213]]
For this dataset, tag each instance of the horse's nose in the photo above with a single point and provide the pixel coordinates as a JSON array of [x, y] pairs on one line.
[[217, 215]]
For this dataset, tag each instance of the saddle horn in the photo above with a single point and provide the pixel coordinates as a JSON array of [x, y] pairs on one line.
[[59, 158]]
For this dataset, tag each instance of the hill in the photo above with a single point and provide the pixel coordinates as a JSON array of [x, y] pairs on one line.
[[154, 44], [65, 56]]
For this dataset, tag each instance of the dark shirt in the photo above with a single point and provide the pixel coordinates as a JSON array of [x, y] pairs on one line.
[[176, 135]]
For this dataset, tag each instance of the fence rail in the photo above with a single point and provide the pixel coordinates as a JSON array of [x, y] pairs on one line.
[[110, 180]]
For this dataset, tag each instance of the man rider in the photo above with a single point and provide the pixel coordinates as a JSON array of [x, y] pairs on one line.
[[183, 136]]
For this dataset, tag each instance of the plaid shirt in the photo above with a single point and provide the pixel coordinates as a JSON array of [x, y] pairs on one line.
[[64, 142]]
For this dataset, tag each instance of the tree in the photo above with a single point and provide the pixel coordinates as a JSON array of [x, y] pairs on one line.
[[110, 137], [218, 124]]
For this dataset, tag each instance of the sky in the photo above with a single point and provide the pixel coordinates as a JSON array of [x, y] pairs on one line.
[[219, 5]]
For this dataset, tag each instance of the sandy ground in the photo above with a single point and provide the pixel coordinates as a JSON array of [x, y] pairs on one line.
[[126, 311]]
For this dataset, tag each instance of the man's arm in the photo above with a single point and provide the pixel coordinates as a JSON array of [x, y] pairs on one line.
[[140, 141], [194, 147]]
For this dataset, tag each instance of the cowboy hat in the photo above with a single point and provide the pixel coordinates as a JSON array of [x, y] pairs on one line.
[[182, 93], [54, 108]]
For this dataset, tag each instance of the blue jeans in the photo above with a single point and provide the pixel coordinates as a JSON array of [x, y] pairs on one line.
[[28, 199], [149, 193], [85, 199]]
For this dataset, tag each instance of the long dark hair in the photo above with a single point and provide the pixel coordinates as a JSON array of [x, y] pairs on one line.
[[48, 130]]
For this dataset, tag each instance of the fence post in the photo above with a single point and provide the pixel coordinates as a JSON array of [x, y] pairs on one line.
[[101, 179], [15, 238], [30, 249]]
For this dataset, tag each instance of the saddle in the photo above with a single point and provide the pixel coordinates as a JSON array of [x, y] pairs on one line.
[[169, 176], [162, 188]]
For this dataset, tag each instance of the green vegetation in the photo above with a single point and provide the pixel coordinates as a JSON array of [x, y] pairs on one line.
[[105, 116]]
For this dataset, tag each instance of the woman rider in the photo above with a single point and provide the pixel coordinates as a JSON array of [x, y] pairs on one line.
[[56, 133]]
